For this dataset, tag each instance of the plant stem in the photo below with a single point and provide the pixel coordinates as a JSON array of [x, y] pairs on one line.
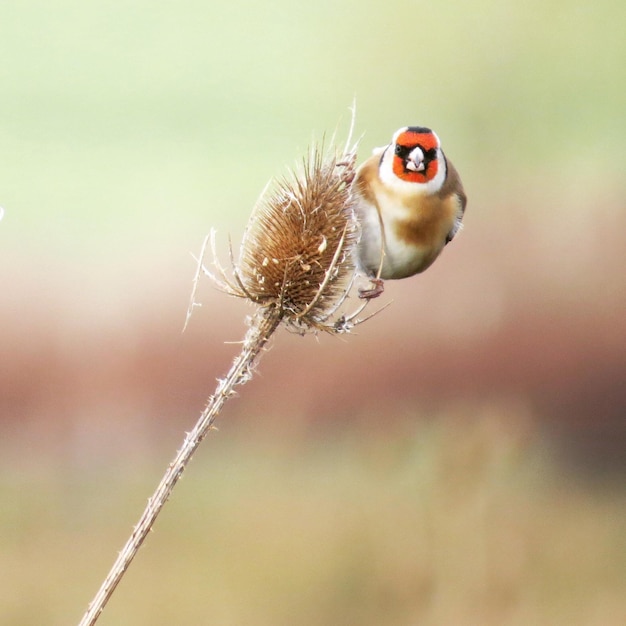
[[262, 326]]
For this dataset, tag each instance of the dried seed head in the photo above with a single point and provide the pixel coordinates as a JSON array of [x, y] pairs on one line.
[[297, 253]]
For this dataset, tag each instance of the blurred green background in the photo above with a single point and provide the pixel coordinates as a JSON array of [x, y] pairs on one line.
[[458, 460]]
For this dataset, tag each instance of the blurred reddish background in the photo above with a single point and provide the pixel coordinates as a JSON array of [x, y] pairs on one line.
[[127, 131], [509, 315]]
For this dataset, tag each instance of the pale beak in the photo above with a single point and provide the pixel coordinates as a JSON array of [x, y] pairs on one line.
[[415, 160]]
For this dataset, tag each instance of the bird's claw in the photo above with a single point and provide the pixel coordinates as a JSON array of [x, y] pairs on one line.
[[378, 286]]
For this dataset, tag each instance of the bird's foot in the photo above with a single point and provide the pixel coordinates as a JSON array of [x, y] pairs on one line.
[[378, 286]]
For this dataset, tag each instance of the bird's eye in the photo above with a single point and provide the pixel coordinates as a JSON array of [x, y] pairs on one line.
[[398, 149]]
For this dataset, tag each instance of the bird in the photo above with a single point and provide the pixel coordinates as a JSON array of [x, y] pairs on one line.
[[409, 202]]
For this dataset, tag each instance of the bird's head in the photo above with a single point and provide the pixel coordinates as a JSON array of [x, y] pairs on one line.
[[414, 156]]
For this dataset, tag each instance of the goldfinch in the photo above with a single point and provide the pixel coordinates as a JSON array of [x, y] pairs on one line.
[[410, 203]]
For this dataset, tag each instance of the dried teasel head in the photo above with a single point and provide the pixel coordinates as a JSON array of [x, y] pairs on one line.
[[297, 254], [297, 250]]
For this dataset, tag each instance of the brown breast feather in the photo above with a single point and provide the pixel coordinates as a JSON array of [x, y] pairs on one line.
[[434, 224]]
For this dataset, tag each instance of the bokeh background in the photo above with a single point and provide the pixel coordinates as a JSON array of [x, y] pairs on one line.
[[458, 460]]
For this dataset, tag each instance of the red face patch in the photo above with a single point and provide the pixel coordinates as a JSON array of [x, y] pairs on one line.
[[407, 141], [411, 139]]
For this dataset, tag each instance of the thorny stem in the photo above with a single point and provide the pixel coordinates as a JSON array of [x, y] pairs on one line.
[[262, 326]]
